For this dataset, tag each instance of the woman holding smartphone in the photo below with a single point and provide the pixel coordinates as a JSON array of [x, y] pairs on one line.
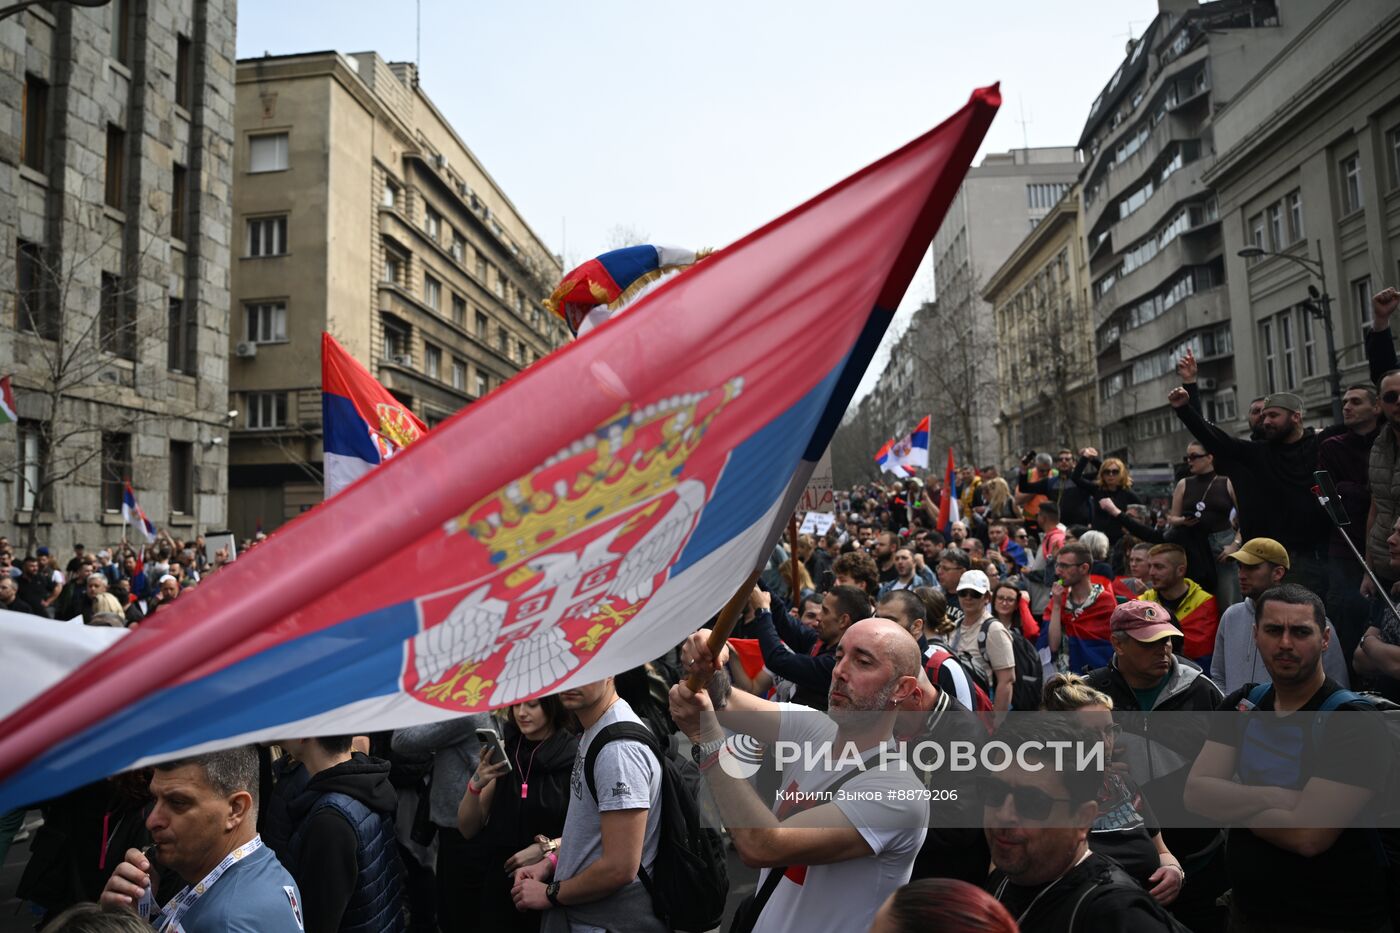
[[512, 802]]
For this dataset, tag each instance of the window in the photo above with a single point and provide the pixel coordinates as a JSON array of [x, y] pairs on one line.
[[520, 352], [179, 181], [1305, 326], [1349, 177], [267, 153], [459, 247], [1392, 148], [184, 72], [483, 385], [481, 266], [503, 341], [120, 23], [459, 311], [498, 282], [32, 472], [520, 301], [1276, 226], [459, 374], [432, 361], [116, 469], [34, 307], [116, 165], [182, 477], [1288, 371], [182, 337], [116, 322], [1294, 200], [432, 292], [267, 410], [266, 322], [398, 342], [481, 325], [34, 142], [1361, 299], [395, 267], [267, 236], [1266, 344], [391, 194], [432, 224], [1256, 230]]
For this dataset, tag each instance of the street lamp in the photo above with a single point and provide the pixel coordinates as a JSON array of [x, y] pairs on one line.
[[1319, 305], [23, 5]]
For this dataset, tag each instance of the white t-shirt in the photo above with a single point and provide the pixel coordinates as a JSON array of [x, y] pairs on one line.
[[846, 895]]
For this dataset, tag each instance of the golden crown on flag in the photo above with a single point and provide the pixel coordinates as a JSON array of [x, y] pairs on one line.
[[636, 455]]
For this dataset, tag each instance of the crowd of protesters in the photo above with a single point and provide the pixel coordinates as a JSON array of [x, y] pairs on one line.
[[1057, 590]]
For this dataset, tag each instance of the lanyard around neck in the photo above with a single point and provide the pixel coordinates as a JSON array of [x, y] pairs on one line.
[[169, 918]]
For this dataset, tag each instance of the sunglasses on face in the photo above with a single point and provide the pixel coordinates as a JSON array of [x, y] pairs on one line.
[[1111, 471], [1032, 803], [1391, 397], [969, 594], [1192, 458]]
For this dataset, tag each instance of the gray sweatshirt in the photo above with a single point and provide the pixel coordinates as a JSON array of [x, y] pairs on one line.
[[455, 752], [1236, 660]]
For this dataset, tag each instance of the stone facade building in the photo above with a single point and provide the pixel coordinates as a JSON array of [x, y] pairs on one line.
[[359, 211], [115, 147], [1308, 167], [1045, 338], [999, 201]]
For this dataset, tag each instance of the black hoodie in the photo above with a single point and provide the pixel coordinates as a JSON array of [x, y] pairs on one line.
[[327, 873]]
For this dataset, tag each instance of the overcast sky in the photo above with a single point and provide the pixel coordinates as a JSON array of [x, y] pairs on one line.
[[692, 124]]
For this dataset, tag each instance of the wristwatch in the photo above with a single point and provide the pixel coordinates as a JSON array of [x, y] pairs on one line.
[[551, 891], [704, 750]]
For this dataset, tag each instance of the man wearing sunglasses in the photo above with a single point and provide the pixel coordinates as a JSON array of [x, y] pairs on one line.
[[1384, 474], [1037, 819], [1273, 480]]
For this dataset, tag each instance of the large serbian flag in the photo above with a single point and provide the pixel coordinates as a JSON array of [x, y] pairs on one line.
[[363, 424], [134, 515], [577, 522]]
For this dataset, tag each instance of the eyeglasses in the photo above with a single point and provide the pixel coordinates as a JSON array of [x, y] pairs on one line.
[[970, 594], [1192, 458], [1060, 566], [1110, 471], [1391, 397], [1031, 802]]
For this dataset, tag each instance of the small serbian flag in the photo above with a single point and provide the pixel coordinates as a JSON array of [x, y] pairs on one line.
[[918, 446], [885, 457], [133, 514], [8, 412], [593, 292], [948, 499], [363, 425]]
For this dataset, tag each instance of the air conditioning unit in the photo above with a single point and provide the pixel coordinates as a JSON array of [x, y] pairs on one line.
[[403, 360], [1207, 385], [245, 349]]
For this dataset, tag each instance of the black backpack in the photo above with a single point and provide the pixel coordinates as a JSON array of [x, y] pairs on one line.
[[1029, 675], [689, 881]]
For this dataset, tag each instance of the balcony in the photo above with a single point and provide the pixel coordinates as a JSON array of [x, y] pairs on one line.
[[1195, 247], [1200, 310], [1183, 185]]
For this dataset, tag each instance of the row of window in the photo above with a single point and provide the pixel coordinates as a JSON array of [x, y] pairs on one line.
[[1207, 344], [1289, 349], [35, 488], [1279, 225], [398, 348], [1040, 197], [1185, 219]]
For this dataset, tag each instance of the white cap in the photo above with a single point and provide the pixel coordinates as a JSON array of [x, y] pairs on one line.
[[974, 580]]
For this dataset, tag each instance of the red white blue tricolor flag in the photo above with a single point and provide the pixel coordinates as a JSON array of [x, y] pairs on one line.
[[133, 514], [885, 457], [911, 450], [577, 522], [363, 424], [948, 498]]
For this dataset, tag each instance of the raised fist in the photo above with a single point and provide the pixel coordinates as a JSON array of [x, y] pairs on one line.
[[1178, 397]]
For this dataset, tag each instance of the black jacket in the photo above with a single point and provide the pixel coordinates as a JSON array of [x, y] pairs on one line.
[[326, 856], [1096, 896], [1093, 491], [19, 605], [1273, 484]]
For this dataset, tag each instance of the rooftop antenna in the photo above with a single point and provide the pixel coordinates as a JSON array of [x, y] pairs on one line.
[[1025, 138], [1128, 46], [418, 42]]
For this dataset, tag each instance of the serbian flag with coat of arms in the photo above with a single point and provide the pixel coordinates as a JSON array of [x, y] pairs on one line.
[[576, 523], [363, 425]]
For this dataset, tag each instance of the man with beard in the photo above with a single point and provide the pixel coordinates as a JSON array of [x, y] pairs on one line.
[[884, 556], [843, 836], [1273, 481], [1279, 772]]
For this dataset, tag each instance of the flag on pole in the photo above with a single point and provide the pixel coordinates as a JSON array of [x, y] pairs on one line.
[[912, 449], [885, 457], [9, 412], [948, 498], [133, 514], [362, 424], [576, 523], [595, 291]]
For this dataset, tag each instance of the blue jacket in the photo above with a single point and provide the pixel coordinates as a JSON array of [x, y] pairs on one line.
[[342, 851]]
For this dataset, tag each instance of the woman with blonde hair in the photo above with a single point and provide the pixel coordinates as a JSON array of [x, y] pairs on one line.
[[1125, 830], [1113, 482], [1000, 503]]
